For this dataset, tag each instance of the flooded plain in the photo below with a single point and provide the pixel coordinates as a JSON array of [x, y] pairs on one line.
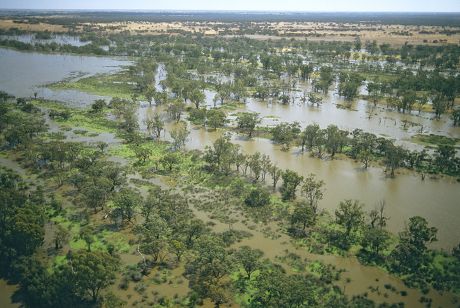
[[24, 73], [436, 198], [407, 195]]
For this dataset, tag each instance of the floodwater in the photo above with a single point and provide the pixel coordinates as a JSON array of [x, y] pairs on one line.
[[6, 294], [385, 123], [407, 195], [23, 73], [357, 278]]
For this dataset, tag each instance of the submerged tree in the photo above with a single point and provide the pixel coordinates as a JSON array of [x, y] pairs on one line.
[[247, 122], [179, 136]]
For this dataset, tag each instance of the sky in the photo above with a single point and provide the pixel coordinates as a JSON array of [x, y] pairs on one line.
[[243, 5]]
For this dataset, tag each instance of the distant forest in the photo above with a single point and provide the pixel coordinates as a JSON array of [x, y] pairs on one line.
[[403, 18]]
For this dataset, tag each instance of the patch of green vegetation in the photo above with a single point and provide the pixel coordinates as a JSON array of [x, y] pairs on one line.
[[231, 106], [59, 260], [119, 85], [79, 119], [93, 123], [435, 140]]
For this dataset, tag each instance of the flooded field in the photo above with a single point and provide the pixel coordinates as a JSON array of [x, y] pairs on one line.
[[24, 73], [436, 198], [406, 195]]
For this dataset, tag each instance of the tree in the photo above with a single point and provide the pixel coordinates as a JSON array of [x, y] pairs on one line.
[[169, 160], [349, 215], [178, 248], [155, 125], [249, 259], [377, 216], [285, 134], [207, 270], [153, 237], [373, 88], [221, 155], [325, 79], [445, 156], [142, 153], [197, 97], [303, 214], [364, 144], [374, 241], [275, 173], [421, 101], [179, 136], [349, 85], [26, 233], [175, 110], [149, 93], [309, 136], [407, 101], [193, 230], [90, 272], [306, 70], [277, 289], [152, 202], [87, 235], [126, 115], [394, 156], [262, 92], [215, 118], [247, 121], [313, 191], [440, 104], [411, 253], [315, 99], [160, 98], [456, 116], [255, 164], [291, 180], [61, 236], [335, 139], [358, 44], [125, 203]]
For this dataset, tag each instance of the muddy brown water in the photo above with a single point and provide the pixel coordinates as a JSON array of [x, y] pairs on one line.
[[356, 279], [23, 73], [406, 195]]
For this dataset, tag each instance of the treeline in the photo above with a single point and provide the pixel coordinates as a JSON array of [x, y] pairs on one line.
[[366, 147], [54, 47]]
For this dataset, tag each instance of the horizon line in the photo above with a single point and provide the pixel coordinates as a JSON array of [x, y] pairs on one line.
[[219, 11]]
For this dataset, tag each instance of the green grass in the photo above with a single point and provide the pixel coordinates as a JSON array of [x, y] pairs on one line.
[[80, 119], [119, 85], [435, 140]]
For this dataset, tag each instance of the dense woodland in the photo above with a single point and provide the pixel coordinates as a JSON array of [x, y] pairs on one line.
[[73, 212]]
